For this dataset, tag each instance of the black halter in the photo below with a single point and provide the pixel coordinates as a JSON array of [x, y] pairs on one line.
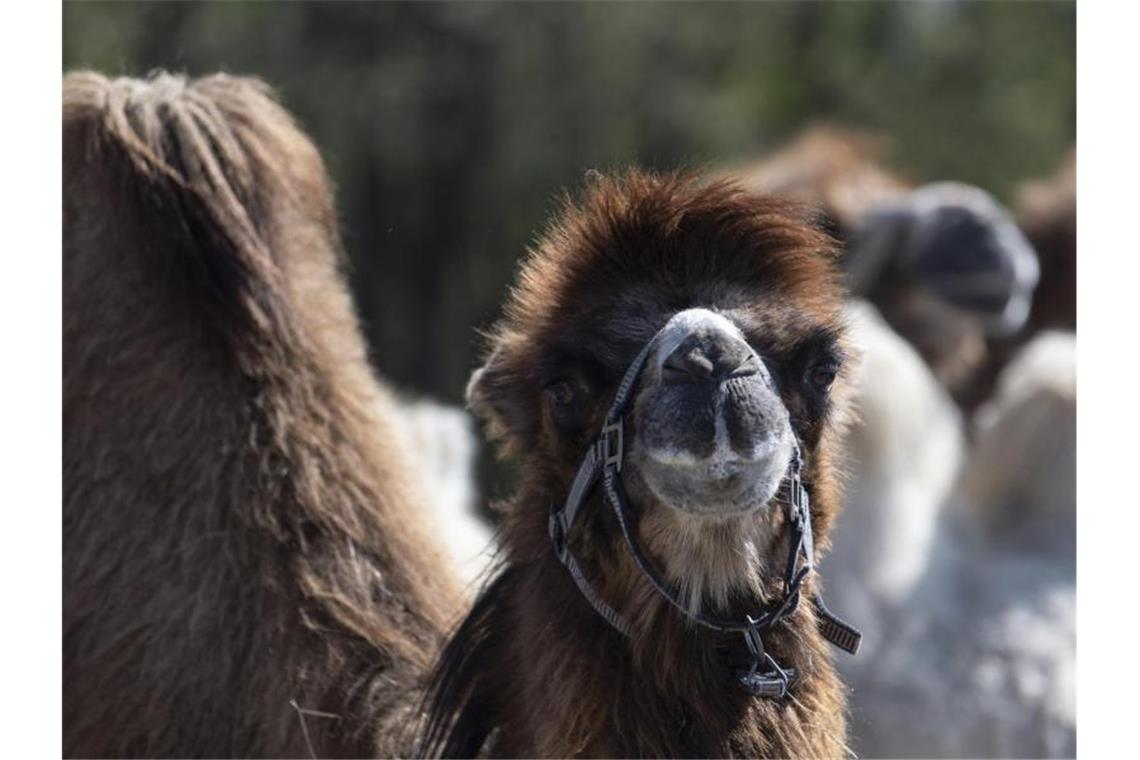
[[604, 458]]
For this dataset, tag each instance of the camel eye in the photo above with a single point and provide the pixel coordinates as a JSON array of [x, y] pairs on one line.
[[561, 393], [823, 374], [566, 403]]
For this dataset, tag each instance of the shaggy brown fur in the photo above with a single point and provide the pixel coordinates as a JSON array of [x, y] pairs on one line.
[[533, 671], [239, 534], [835, 168]]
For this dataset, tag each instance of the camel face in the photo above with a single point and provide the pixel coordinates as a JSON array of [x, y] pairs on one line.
[[712, 435], [740, 302]]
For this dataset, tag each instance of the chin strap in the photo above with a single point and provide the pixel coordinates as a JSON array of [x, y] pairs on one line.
[[603, 460]]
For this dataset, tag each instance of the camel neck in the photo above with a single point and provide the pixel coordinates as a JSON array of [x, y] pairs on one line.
[[669, 689]]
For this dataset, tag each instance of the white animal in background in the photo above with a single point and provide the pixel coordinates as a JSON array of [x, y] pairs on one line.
[[979, 659], [445, 447], [1022, 477], [905, 451]]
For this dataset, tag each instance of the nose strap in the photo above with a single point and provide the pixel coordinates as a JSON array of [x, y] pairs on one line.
[[604, 459]]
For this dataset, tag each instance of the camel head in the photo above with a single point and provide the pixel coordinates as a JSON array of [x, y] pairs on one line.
[[733, 304]]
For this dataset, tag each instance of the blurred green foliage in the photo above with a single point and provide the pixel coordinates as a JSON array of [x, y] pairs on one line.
[[450, 127]]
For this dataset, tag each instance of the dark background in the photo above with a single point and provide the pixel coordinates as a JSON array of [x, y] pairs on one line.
[[449, 128]]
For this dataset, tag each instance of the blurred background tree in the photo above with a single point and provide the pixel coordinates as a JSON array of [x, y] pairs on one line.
[[449, 128]]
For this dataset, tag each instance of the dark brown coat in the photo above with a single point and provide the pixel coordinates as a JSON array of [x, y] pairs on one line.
[[836, 169], [1047, 211], [239, 536], [534, 671]]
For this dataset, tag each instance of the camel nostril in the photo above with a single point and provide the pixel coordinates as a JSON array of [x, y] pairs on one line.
[[689, 365], [701, 358], [750, 366]]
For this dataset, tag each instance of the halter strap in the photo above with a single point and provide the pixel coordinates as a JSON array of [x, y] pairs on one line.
[[603, 459]]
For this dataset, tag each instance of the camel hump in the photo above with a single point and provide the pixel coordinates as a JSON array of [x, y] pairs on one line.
[[200, 168]]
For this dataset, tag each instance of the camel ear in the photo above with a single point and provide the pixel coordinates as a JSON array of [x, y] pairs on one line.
[[492, 395], [478, 399]]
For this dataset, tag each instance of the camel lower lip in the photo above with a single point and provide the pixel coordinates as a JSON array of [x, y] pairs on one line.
[[712, 468], [719, 480], [722, 485], [715, 509]]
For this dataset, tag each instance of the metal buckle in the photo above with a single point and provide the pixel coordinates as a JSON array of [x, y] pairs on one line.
[[798, 500], [774, 682], [752, 638], [612, 443], [800, 508]]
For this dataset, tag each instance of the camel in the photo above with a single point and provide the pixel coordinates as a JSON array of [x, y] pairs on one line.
[[959, 561], [671, 373], [1004, 559], [944, 263], [249, 566]]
